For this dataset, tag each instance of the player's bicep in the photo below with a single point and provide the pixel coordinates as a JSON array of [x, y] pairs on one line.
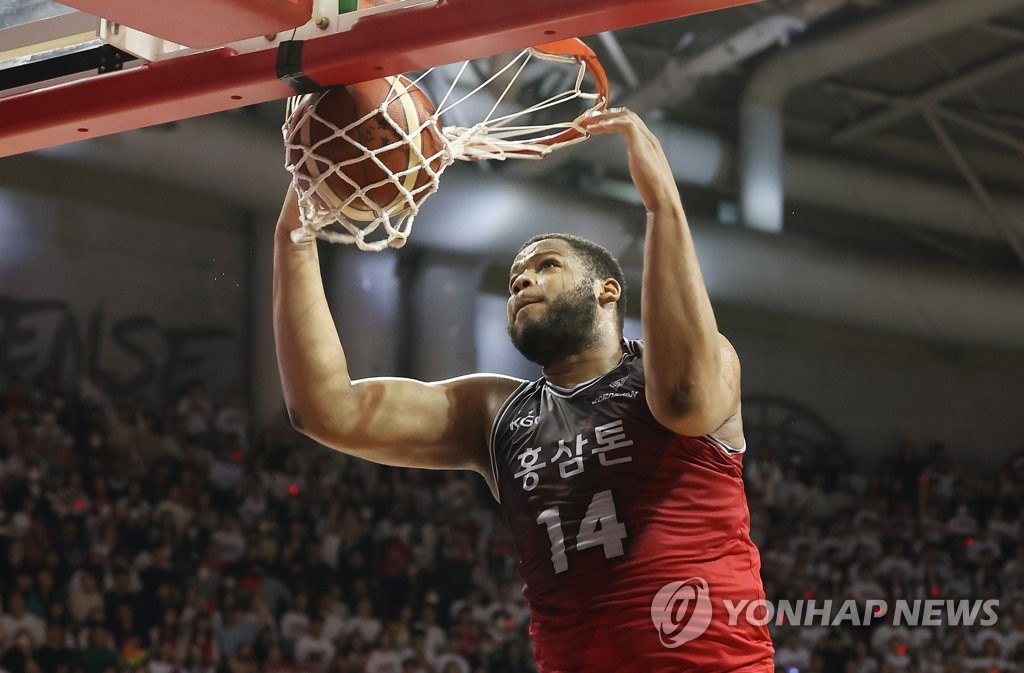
[[409, 423], [730, 431], [711, 405], [730, 375], [723, 403]]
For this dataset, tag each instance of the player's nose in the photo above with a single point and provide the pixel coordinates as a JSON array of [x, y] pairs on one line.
[[521, 283]]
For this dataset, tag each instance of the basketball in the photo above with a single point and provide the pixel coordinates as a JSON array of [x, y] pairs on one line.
[[350, 139]]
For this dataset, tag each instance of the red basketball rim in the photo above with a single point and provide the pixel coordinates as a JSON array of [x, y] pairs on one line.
[[576, 48]]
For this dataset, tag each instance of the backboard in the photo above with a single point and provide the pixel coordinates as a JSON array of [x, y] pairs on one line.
[[107, 66]]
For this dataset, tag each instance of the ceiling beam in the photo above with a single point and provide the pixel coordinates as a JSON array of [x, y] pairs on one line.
[[619, 58], [1006, 228], [900, 110], [862, 93], [1002, 30], [950, 70], [984, 130]]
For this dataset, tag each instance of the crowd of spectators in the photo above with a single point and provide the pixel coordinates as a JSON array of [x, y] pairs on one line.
[[916, 527], [178, 540]]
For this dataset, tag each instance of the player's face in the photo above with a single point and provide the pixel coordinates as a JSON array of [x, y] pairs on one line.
[[552, 305]]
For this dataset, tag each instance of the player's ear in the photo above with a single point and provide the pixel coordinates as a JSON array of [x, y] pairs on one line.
[[610, 291]]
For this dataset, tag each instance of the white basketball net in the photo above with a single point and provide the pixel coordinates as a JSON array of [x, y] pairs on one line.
[[507, 130]]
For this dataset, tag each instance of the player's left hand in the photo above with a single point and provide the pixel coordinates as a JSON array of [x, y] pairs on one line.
[[648, 165]]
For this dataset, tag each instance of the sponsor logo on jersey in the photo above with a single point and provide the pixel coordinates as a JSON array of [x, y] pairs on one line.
[[681, 611], [631, 394], [527, 421], [616, 392]]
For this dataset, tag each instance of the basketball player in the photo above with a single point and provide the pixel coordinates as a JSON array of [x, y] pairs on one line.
[[619, 471]]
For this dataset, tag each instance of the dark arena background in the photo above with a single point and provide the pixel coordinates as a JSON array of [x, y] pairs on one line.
[[853, 173]]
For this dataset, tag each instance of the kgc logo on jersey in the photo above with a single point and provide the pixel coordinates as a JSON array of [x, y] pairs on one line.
[[527, 421], [681, 611]]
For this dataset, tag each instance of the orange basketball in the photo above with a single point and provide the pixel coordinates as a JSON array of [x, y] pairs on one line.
[[356, 151]]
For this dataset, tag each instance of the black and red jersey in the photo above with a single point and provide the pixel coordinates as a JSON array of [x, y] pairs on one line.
[[631, 537]]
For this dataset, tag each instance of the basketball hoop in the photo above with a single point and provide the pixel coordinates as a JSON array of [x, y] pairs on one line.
[[337, 206]]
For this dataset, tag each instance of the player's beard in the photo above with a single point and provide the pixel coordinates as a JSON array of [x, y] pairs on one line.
[[568, 327]]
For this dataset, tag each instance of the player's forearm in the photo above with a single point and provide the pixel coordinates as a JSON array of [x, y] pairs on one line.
[[682, 364], [314, 372], [680, 332]]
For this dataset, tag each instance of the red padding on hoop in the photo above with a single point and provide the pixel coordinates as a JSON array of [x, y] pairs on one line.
[[208, 82], [201, 23]]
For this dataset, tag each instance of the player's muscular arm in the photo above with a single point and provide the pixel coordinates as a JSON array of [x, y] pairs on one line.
[[393, 421], [692, 372]]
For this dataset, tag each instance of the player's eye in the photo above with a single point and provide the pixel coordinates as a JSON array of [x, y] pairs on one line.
[[548, 263]]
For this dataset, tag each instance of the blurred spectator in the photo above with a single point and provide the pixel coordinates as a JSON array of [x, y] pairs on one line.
[[295, 621], [792, 653], [16, 619], [313, 651], [334, 614], [83, 596], [233, 419], [164, 659], [451, 662], [276, 662], [55, 654], [19, 656], [434, 637], [98, 655], [195, 411], [385, 657], [240, 629], [863, 661], [364, 623]]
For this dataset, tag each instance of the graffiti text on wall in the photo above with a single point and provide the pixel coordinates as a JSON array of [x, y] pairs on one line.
[[134, 354]]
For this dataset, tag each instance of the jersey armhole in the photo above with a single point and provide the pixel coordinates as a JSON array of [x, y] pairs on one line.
[[726, 449]]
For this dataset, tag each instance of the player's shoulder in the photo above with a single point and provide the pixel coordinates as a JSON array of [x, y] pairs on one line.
[[487, 387], [507, 389], [491, 390], [500, 384]]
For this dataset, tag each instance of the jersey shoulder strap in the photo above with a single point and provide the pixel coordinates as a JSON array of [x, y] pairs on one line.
[[523, 392], [634, 347]]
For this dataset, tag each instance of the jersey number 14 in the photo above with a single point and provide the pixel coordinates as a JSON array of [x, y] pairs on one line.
[[600, 527]]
